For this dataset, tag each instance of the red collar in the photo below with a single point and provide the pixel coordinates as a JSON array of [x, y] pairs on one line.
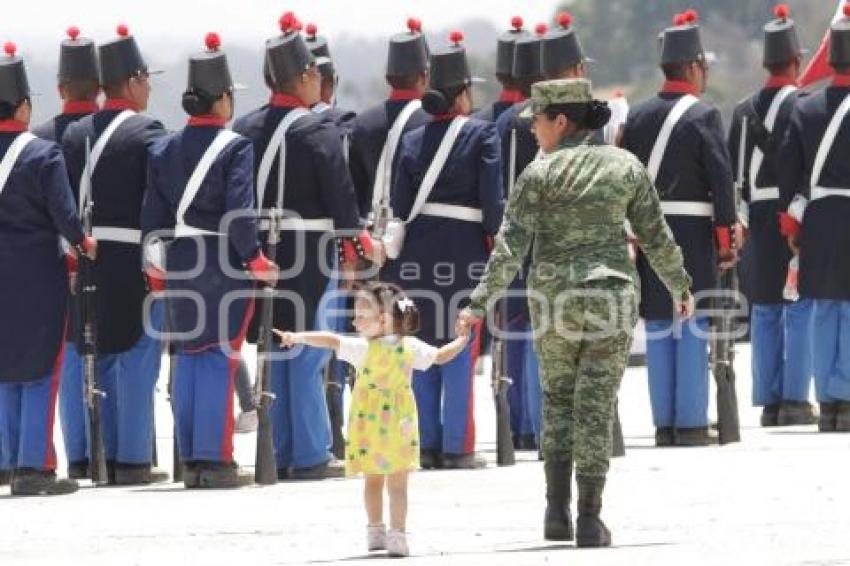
[[403, 94], [444, 117], [207, 120], [841, 80], [779, 82], [7, 126], [279, 100], [679, 87], [513, 96], [80, 107], [120, 104]]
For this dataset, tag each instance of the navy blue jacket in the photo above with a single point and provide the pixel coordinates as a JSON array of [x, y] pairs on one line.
[[695, 167], [769, 251], [825, 238], [227, 187], [368, 136], [54, 129], [317, 186], [118, 187], [442, 255], [36, 207]]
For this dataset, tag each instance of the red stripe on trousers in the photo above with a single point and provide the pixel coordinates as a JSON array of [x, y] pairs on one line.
[[474, 351], [50, 449], [232, 367]]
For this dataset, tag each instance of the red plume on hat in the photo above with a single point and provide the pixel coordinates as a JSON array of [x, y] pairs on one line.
[[414, 25], [73, 32], [122, 30], [212, 41], [312, 30], [516, 23], [456, 37], [565, 19], [10, 48], [679, 20], [691, 16], [287, 21], [781, 11], [541, 29]]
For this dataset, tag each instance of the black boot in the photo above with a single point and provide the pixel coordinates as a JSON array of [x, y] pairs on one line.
[[590, 530], [557, 523], [793, 413], [770, 415], [221, 475], [78, 470], [842, 416], [28, 481], [430, 459], [826, 420], [664, 436], [5, 477], [138, 474]]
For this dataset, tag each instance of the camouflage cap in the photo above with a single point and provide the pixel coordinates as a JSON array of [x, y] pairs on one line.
[[560, 91]]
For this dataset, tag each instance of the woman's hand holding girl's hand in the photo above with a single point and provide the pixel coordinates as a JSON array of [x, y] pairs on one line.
[[287, 339]]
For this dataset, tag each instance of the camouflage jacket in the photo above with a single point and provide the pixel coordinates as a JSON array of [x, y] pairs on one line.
[[570, 205]]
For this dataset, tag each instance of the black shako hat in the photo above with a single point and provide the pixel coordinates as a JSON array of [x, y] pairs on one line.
[[408, 52], [318, 46], [449, 67], [208, 70], [781, 45], [681, 43], [78, 58], [14, 85], [287, 55], [120, 59], [561, 48], [527, 54], [505, 46], [839, 40]]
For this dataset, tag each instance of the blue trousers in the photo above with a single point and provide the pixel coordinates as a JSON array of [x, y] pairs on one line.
[[72, 407], [302, 427], [782, 352], [27, 412], [203, 405], [444, 400], [128, 380], [525, 393], [831, 350], [677, 362]]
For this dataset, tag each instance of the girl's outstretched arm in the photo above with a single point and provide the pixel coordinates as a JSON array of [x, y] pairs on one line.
[[450, 351], [317, 339]]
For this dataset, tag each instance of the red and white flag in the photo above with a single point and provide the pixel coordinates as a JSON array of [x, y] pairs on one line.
[[818, 68]]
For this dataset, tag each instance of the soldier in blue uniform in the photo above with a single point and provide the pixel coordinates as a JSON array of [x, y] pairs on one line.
[[451, 205], [512, 90], [781, 331], [36, 208], [376, 132], [681, 140], [79, 87], [326, 106], [128, 357], [196, 177], [321, 194], [814, 175]]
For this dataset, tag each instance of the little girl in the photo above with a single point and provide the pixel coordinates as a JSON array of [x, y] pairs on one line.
[[383, 427]]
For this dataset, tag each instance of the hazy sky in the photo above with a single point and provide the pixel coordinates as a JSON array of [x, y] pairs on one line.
[[37, 25]]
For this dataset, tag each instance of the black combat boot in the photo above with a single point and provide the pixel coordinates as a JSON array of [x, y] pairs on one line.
[[842, 416], [770, 415], [826, 421], [696, 436], [793, 413], [138, 474], [590, 530], [5, 477], [222, 475], [28, 481], [191, 475], [664, 436], [78, 470], [430, 459], [558, 523]]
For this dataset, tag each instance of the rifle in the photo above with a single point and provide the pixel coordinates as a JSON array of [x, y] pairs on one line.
[[333, 397], [177, 463], [722, 338], [88, 291], [501, 382]]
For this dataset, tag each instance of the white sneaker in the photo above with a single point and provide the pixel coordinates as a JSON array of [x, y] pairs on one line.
[[397, 543], [246, 422], [377, 537]]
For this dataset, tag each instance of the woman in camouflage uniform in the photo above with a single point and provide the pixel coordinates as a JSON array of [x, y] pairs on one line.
[[569, 207]]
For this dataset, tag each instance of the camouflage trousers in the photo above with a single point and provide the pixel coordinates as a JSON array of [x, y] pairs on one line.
[[582, 337]]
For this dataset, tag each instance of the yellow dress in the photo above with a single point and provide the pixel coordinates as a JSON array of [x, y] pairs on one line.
[[383, 427]]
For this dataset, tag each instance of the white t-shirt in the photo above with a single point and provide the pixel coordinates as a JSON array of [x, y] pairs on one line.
[[353, 349]]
